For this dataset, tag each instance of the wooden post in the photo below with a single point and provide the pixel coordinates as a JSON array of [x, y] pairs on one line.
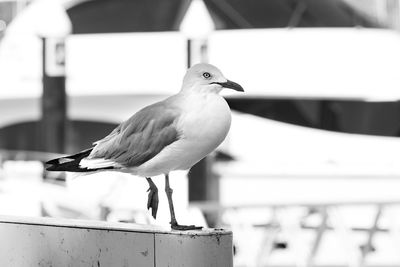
[[53, 28], [203, 184], [54, 98], [61, 242]]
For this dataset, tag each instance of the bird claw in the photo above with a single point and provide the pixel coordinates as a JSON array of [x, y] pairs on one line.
[[152, 201], [185, 227]]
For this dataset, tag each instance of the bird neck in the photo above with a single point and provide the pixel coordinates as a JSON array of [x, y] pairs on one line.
[[201, 89]]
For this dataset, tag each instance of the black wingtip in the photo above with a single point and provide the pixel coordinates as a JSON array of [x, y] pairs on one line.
[[71, 163], [52, 162]]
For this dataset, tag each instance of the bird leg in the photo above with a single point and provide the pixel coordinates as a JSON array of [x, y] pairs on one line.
[[174, 223], [152, 201]]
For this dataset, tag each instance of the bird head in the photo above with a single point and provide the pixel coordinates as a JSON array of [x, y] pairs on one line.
[[207, 78]]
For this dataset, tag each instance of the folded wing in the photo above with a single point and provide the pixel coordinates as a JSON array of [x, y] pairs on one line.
[[136, 140]]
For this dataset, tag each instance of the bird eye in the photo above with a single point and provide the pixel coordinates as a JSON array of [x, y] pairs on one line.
[[207, 75]]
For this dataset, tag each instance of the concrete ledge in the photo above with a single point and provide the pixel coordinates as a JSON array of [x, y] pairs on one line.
[[59, 242]]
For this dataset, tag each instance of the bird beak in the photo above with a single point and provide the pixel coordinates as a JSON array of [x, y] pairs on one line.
[[231, 85]]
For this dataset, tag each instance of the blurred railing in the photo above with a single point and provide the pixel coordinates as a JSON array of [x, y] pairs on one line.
[[291, 221]]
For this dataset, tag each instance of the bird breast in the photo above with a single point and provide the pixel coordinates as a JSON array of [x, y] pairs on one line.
[[206, 123]]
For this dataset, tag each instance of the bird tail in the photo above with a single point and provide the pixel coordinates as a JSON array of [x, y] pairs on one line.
[[71, 163]]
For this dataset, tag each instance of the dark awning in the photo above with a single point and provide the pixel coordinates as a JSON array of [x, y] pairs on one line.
[[110, 16], [285, 13]]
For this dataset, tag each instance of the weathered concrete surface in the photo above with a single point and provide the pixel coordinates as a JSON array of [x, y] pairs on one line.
[[59, 242], [210, 248]]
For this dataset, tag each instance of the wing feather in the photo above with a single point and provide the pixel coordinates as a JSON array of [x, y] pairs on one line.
[[141, 137]]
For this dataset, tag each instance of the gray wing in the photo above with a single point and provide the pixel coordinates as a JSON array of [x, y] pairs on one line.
[[141, 137]]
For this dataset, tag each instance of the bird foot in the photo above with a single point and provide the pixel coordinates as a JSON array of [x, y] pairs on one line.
[[152, 201], [179, 227]]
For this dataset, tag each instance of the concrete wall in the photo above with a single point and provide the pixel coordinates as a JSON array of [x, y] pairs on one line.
[[60, 242]]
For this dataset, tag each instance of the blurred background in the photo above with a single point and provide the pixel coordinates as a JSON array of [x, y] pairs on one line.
[[309, 174]]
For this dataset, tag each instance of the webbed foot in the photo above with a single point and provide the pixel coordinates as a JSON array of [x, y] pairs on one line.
[[179, 227], [152, 200]]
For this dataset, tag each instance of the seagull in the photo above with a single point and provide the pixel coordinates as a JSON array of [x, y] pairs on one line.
[[173, 134]]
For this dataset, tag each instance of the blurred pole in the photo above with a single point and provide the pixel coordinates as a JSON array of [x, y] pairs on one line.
[[197, 51], [53, 30], [197, 25], [54, 98]]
